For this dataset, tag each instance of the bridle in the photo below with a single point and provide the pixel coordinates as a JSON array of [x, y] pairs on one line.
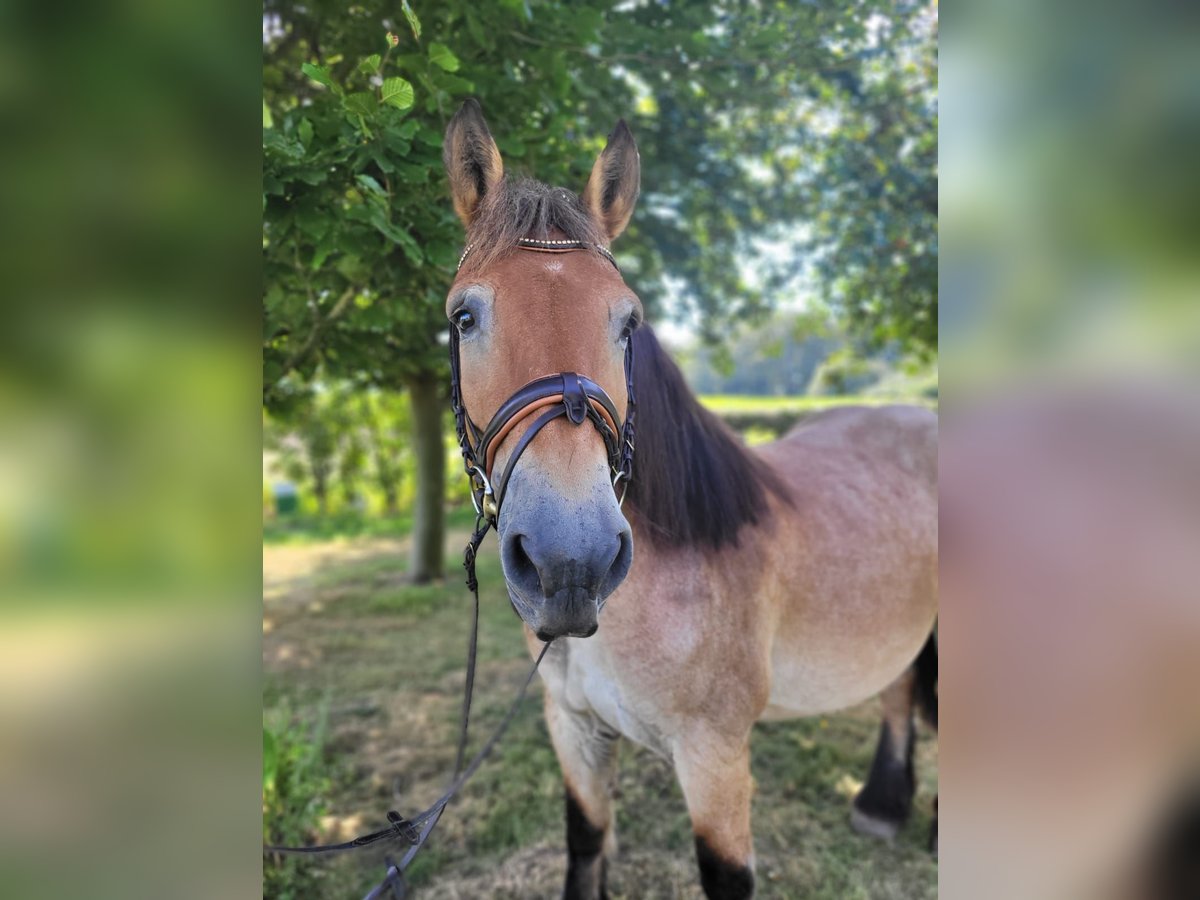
[[567, 394]]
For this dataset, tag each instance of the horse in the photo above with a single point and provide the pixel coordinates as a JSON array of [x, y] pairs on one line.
[[732, 584]]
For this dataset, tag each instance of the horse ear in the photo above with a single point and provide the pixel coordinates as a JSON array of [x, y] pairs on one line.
[[612, 188], [472, 160]]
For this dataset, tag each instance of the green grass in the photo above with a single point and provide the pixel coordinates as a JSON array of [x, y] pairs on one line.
[[385, 659], [722, 403], [763, 419], [304, 529]]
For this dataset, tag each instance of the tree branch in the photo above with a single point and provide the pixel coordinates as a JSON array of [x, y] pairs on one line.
[[318, 328]]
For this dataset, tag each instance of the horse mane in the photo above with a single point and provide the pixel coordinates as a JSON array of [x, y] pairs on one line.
[[694, 483], [523, 208]]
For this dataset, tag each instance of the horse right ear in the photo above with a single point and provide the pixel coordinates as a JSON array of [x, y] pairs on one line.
[[472, 160], [612, 188]]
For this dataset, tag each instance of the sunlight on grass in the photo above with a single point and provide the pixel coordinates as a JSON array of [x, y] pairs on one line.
[[720, 403]]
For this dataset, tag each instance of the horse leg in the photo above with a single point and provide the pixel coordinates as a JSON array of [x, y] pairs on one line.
[[587, 752], [885, 802], [717, 785]]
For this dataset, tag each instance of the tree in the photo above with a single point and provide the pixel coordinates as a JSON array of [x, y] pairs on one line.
[[752, 119], [874, 192], [387, 423], [307, 444]]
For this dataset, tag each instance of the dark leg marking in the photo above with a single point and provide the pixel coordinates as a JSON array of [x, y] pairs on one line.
[[586, 866], [721, 879], [887, 796], [1175, 856]]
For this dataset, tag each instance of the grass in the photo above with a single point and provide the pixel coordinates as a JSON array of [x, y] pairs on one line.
[[726, 403], [383, 660], [308, 529]]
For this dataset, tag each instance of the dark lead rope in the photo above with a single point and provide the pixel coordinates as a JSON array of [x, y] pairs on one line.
[[406, 829]]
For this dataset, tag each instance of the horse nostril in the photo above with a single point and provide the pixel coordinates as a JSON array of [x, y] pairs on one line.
[[519, 567], [619, 567]]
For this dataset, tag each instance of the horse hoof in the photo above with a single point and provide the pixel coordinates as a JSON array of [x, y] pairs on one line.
[[871, 826]]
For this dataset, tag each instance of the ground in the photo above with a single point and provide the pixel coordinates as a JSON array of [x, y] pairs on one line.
[[345, 638]]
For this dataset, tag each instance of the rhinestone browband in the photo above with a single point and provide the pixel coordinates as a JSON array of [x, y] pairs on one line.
[[555, 246]]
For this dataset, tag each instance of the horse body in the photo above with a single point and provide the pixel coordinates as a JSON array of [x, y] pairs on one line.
[[818, 609], [859, 567], [792, 579], [824, 604]]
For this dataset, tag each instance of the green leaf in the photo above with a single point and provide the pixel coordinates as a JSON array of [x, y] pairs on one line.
[[360, 103], [413, 22], [319, 74], [453, 84], [371, 185], [268, 122], [270, 759], [312, 176], [305, 130], [481, 35], [407, 244], [440, 55], [510, 146], [321, 254], [370, 65], [429, 137], [397, 92]]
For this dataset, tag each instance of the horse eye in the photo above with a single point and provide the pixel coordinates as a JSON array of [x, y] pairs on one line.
[[631, 326], [464, 320]]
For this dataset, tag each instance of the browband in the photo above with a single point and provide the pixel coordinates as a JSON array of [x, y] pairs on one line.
[[551, 246]]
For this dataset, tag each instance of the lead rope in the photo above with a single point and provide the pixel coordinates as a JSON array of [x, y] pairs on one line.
[[416, 831]]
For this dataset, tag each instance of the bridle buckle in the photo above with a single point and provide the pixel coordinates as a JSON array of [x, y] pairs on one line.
[[482, 495]]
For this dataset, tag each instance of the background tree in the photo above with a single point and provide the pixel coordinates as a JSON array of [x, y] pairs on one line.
[[386, 417]]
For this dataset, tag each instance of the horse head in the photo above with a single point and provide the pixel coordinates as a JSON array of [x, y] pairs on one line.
[[541, 322]]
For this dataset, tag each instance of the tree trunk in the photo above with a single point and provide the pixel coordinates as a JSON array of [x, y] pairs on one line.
[[391, 500], [429, 515], [321, 492]]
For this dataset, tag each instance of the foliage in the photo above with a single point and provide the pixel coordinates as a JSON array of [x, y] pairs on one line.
[[752, 120], [386, 421], [790, 354], [874, 183], [357, 241], [295, 785], [358, 438], [777, 357]]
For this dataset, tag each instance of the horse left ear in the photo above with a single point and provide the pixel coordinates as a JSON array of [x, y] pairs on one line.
[[472, 161], [612, 188]]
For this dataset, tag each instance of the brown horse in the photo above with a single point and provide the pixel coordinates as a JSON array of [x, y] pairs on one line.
[[733, 585]]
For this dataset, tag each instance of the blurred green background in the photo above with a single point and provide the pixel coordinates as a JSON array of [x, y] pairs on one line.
[[132, 173]]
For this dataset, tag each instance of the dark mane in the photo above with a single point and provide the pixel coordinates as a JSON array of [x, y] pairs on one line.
[[694, 483], [523, 208]]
